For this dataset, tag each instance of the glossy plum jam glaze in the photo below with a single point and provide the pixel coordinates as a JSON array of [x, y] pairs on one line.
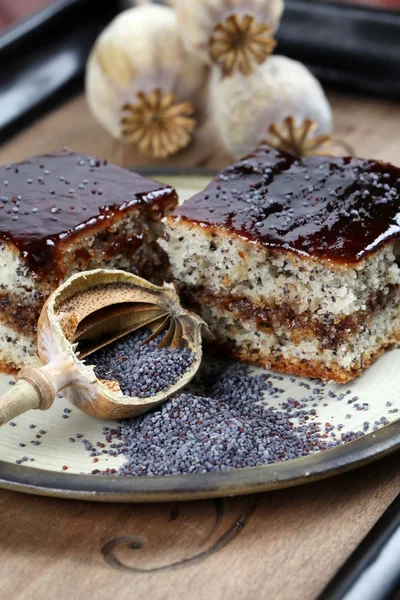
[[46, 201], [339, 209]]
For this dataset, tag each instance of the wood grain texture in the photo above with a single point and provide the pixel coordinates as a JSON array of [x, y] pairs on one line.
[[279, 546], [284, 545], [73, 126]]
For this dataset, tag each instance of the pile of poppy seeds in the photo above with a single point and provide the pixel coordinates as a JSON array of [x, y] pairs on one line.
[[231, 416], [217, 427], [221, 421], [226, 418], [141, 369]]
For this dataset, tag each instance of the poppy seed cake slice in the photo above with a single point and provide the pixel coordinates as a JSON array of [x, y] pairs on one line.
[[63, 213], [294, 263]]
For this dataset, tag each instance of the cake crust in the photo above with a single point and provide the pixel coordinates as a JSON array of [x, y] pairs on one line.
[[316, 369], [336, 209], [46, 201]]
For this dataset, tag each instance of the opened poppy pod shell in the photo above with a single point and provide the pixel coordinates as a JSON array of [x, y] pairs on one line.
[[89, 311]]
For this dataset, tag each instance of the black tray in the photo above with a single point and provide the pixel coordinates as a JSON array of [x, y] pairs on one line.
[[373, 570], [346, 46], [43, 59]]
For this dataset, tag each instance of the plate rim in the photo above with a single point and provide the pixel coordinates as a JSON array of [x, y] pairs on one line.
[[199, 486]]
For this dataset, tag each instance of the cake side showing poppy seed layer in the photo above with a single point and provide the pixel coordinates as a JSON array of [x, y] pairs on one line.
[[279, 349], [274, 284], [64, 213]]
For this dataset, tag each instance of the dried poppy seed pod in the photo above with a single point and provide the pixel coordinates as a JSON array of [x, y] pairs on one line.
[[141, 85], [276, 104], [235, 35], [90, 310]]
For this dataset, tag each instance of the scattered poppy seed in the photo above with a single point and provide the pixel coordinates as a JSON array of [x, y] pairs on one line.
[[216, 425]]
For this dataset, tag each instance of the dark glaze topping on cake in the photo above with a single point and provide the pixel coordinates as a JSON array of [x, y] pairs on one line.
[[340, 209], [47, 200]]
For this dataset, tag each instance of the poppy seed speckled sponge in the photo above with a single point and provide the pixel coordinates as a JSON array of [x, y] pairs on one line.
[[294, 263], [63, 213]]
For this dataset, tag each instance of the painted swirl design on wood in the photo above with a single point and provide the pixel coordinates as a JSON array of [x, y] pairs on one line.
[[227, 523]]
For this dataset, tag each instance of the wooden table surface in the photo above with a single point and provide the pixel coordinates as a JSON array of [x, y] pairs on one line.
[[283, 545]]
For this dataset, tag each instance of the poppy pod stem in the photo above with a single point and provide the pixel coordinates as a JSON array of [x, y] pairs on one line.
[[36, 388]]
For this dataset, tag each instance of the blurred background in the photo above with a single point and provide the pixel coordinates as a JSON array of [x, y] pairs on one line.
[[12, 11], [351, 46]]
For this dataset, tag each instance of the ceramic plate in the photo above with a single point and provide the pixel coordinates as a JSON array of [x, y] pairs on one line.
[[57, 466]]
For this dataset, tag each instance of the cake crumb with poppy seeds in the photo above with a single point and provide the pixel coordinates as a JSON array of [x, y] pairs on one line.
[[318, 292]]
